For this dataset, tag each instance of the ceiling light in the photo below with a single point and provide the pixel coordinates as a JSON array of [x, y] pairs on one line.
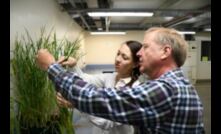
[[168, 18], [207, 29], [129, 14], [107, 33], [187, 32], [99, 29], [75, 16]]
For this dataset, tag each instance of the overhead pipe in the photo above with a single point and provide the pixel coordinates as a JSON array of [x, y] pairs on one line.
[[79, 14], [179, 20], [107, 23], [104, 21], [176, 21]]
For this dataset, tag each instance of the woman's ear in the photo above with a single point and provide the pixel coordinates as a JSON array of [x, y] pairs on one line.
[[167, 50]]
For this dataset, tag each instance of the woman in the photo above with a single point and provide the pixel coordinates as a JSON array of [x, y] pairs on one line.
[[127, 74]]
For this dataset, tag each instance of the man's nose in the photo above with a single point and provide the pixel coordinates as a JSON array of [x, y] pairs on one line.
[[139, 53]]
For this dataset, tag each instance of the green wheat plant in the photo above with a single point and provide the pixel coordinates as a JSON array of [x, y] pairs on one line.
[[34, 93]]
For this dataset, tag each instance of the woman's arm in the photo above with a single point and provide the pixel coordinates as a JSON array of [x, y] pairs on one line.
[[102, 123], [96, 79], [99, 81]]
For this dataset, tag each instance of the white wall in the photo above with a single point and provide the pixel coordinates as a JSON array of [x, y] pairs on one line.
[[101, 49], [203, 67], [194, 68], [34, 14], [190, 65]]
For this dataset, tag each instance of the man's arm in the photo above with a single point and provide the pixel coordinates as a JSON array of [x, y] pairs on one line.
[[146, 104], [131, 106]]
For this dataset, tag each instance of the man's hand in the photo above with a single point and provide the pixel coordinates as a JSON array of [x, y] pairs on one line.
[[44, 59], [71, 62], [62, 102]]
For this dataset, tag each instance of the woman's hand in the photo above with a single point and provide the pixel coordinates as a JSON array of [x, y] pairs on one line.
[[62, 102], [71, 62]]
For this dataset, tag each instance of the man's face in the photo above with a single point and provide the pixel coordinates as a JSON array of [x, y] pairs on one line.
[[150, 53]]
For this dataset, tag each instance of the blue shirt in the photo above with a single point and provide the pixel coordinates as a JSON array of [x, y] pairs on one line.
[[167, 105]]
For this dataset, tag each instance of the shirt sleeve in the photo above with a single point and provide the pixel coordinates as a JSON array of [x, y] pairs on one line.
[[143, 104]]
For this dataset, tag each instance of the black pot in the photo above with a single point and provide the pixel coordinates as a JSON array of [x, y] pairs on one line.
[[50, 128]]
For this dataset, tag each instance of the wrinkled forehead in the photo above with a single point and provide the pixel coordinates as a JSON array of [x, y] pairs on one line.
[[151, 35]]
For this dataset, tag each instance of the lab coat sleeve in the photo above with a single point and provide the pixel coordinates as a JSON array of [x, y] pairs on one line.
[[101, 122], [96, 79], [99, 81]]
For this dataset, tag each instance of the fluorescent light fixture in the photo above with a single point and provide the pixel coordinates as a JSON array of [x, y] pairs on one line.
[[168, 18], [107, 33], [187, 32], [207, 29], [99, 29], [75, 16], [129, 14]]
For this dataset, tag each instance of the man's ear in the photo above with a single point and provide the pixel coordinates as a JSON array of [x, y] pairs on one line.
[[167, 50]]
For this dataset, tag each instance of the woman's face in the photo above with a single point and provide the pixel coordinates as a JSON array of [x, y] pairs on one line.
[[124, 61]]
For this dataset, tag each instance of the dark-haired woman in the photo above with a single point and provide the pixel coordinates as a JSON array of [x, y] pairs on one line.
[[127, 74]]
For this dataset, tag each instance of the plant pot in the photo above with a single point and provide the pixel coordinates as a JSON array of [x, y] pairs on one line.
[[50, 128]]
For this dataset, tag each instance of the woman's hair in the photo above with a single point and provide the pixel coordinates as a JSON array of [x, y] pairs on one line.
[[134, 47]]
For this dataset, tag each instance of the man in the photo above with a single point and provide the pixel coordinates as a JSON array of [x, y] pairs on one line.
[[166, 104]]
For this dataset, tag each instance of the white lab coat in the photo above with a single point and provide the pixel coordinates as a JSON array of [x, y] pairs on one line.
[[101, 125]]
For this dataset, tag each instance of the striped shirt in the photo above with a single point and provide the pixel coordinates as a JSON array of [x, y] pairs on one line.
[[167, 105]]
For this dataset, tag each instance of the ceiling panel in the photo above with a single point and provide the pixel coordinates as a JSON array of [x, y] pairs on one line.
[[190, 4], [150, 4], [126, 19], [181, 14]]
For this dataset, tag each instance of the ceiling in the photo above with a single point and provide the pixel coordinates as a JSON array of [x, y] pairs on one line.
[[180, 14]]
